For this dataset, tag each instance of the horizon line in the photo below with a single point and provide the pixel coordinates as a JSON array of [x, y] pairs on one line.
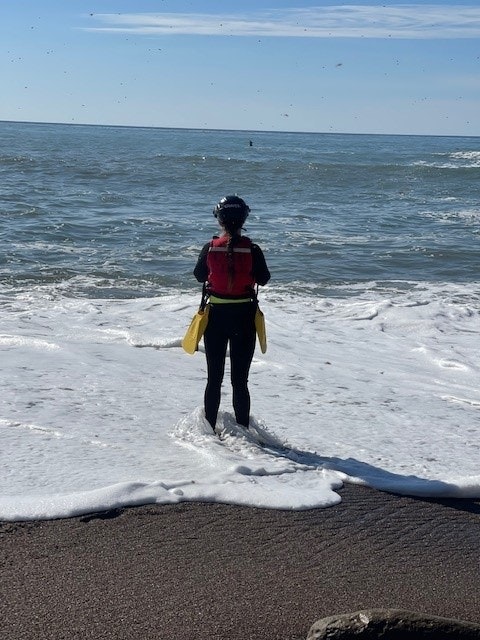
[[228, 130]]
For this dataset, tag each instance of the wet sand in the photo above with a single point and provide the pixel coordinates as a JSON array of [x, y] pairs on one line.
[[210, 571]]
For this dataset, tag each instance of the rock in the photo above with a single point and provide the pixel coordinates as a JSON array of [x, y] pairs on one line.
[[392, 624]]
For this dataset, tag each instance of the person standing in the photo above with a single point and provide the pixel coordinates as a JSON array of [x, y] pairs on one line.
[[231, 266]]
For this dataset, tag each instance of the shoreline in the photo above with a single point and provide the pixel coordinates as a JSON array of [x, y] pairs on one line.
[[215, 571]]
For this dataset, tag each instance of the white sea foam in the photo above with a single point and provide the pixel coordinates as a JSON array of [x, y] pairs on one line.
[[471, 156], [100, 405], [455, 160]]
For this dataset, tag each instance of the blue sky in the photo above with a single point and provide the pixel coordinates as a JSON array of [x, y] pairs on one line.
[[359, 67]]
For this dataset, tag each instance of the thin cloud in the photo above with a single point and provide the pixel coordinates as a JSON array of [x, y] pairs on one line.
[[414, 21]]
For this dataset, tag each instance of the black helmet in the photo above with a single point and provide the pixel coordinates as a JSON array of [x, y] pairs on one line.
[[232, 209]]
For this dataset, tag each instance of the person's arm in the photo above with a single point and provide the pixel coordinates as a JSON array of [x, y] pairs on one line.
[[260, 269], [201, 270]]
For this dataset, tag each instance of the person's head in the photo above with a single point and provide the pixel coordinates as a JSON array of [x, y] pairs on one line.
[[231, 212]]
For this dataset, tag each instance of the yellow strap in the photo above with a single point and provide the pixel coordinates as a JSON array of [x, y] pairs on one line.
[[215, 300]]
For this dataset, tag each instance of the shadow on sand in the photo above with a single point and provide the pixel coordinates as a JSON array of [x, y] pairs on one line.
[[362, 473]]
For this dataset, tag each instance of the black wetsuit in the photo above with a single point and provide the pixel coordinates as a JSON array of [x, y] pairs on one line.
[[232, 323]]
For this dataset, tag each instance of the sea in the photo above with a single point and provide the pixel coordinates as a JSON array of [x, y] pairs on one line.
[[372, 371]]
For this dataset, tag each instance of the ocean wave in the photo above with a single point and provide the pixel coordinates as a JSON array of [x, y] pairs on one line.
[[454, 160]]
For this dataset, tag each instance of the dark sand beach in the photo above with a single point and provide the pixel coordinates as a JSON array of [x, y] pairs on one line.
[[210, 571]]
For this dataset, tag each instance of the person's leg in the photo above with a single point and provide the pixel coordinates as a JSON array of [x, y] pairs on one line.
[[215, 341], [242, 347]]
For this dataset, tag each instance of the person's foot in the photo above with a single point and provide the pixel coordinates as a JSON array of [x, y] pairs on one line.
[[209, 422]]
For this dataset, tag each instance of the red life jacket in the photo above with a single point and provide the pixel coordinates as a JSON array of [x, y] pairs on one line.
[[230, 274]]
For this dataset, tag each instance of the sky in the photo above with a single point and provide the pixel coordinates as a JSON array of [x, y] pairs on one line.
[[321, 66]]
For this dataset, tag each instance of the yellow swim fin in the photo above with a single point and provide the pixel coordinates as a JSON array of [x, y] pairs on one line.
[[260, 329], [196, 330]]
